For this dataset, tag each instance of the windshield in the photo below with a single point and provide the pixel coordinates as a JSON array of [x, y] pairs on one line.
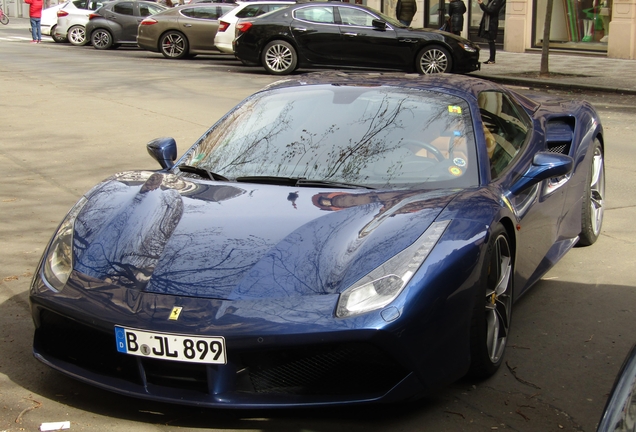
[[375, 136]]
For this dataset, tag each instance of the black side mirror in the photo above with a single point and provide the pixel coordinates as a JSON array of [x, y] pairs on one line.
[[544, 166], [378, 24], [164, 151]]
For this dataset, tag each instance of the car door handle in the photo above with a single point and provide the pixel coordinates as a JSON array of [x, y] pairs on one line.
[[351, 34], [187, 25], [299, 29]]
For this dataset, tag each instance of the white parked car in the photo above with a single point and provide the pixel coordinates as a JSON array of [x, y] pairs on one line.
[[48, 22], [71, 23], [226, 32]]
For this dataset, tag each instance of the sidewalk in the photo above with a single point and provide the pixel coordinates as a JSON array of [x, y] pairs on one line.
[[570, 71]]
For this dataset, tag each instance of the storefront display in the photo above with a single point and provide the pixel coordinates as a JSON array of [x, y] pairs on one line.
[[576, 24]]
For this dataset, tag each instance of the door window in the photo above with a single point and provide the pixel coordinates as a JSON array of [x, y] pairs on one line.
[[505, 129], [355, 17], [147, 10], [125, 8], [319, 14]]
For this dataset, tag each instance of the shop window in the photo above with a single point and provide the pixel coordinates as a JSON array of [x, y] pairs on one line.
[[576, 24]]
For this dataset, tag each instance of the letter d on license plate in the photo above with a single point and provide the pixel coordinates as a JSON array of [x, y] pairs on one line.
[[168, 346]]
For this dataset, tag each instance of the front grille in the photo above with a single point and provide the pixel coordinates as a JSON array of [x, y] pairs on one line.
[[80, 345], [330, 370]]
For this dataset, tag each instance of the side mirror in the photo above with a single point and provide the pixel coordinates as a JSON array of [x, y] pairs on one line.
[[544, 166], [378, 24], [164, 151]]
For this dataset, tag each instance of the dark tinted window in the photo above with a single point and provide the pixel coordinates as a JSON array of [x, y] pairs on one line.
[[207, 13], [505, 129], [318, 14], [124, 8], [80, 4], [147, 9], [256, 10]]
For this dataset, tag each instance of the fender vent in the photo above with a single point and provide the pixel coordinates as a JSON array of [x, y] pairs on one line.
[[559, 135]]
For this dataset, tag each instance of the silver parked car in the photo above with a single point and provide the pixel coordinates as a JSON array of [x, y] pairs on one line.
[[71, 23]]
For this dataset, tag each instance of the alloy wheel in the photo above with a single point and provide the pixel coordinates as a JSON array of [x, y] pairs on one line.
[[434, 61], [279, 57], [498, 299], [597, 190]]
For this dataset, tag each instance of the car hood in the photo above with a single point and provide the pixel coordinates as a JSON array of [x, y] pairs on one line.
[[168, 234]]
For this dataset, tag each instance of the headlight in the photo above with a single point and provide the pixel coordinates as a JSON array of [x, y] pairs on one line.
[[58, 263], [382, 285], [468, 48]]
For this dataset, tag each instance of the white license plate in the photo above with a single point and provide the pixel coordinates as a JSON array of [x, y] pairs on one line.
[[169, 346]]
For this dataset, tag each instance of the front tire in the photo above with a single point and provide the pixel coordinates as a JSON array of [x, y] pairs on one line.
[[279, 58], [593, 199], [433, 59], [102, 39], [174, 45], [77, 35], [490, 322]]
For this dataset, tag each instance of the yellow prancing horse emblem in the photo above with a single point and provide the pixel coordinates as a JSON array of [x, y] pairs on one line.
[[174, 315]]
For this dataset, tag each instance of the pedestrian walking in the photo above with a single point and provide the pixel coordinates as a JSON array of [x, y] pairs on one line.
[[35, 14], [489, 24], [456, 9], [405, 11]]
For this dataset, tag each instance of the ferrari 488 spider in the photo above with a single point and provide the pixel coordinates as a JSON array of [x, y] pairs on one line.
[[334, 239]]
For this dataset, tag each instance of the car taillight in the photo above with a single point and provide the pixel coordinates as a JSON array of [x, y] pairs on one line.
[[148, 21], [243, 27], [223, 26], [94, 15], [61, 13]]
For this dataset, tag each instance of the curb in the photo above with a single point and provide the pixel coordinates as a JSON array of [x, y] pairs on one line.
[[554, 85]]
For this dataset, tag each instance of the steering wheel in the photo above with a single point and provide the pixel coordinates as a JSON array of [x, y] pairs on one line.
[[429, 147]]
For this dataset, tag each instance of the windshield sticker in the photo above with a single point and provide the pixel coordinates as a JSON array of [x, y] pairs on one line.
[[459, 162], [454, 170], [454, 109], [198, 158]]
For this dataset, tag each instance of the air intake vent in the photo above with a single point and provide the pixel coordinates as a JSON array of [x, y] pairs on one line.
[[559, 135]]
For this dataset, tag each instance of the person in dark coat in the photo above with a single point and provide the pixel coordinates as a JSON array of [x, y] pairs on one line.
[[489, 24], [405, 11], [456, 9]]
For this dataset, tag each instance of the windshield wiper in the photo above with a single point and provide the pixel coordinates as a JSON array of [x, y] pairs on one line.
[[299, 181], [201, 172]]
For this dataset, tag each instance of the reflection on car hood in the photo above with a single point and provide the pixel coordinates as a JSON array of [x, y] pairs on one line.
[[168, 234]]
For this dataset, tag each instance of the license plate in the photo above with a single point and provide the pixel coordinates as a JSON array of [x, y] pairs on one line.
[[169, 346]]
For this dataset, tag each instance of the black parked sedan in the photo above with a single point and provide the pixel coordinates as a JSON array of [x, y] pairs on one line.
[[116, 22], [348, 35]]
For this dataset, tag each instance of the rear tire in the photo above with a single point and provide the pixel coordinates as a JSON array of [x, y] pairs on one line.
[[77, 35], [4, 19], [279, 58], [593, 199], [57, 39], [102, 39], [490, 323], [433, 59], [174, 45]]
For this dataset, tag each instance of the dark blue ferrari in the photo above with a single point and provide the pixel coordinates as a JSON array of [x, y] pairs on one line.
[[334, 239]]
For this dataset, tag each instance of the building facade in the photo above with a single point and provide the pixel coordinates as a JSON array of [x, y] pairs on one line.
[[576, 25]]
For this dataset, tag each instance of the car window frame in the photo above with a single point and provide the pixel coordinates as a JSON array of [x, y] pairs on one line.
[[525, 120]]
